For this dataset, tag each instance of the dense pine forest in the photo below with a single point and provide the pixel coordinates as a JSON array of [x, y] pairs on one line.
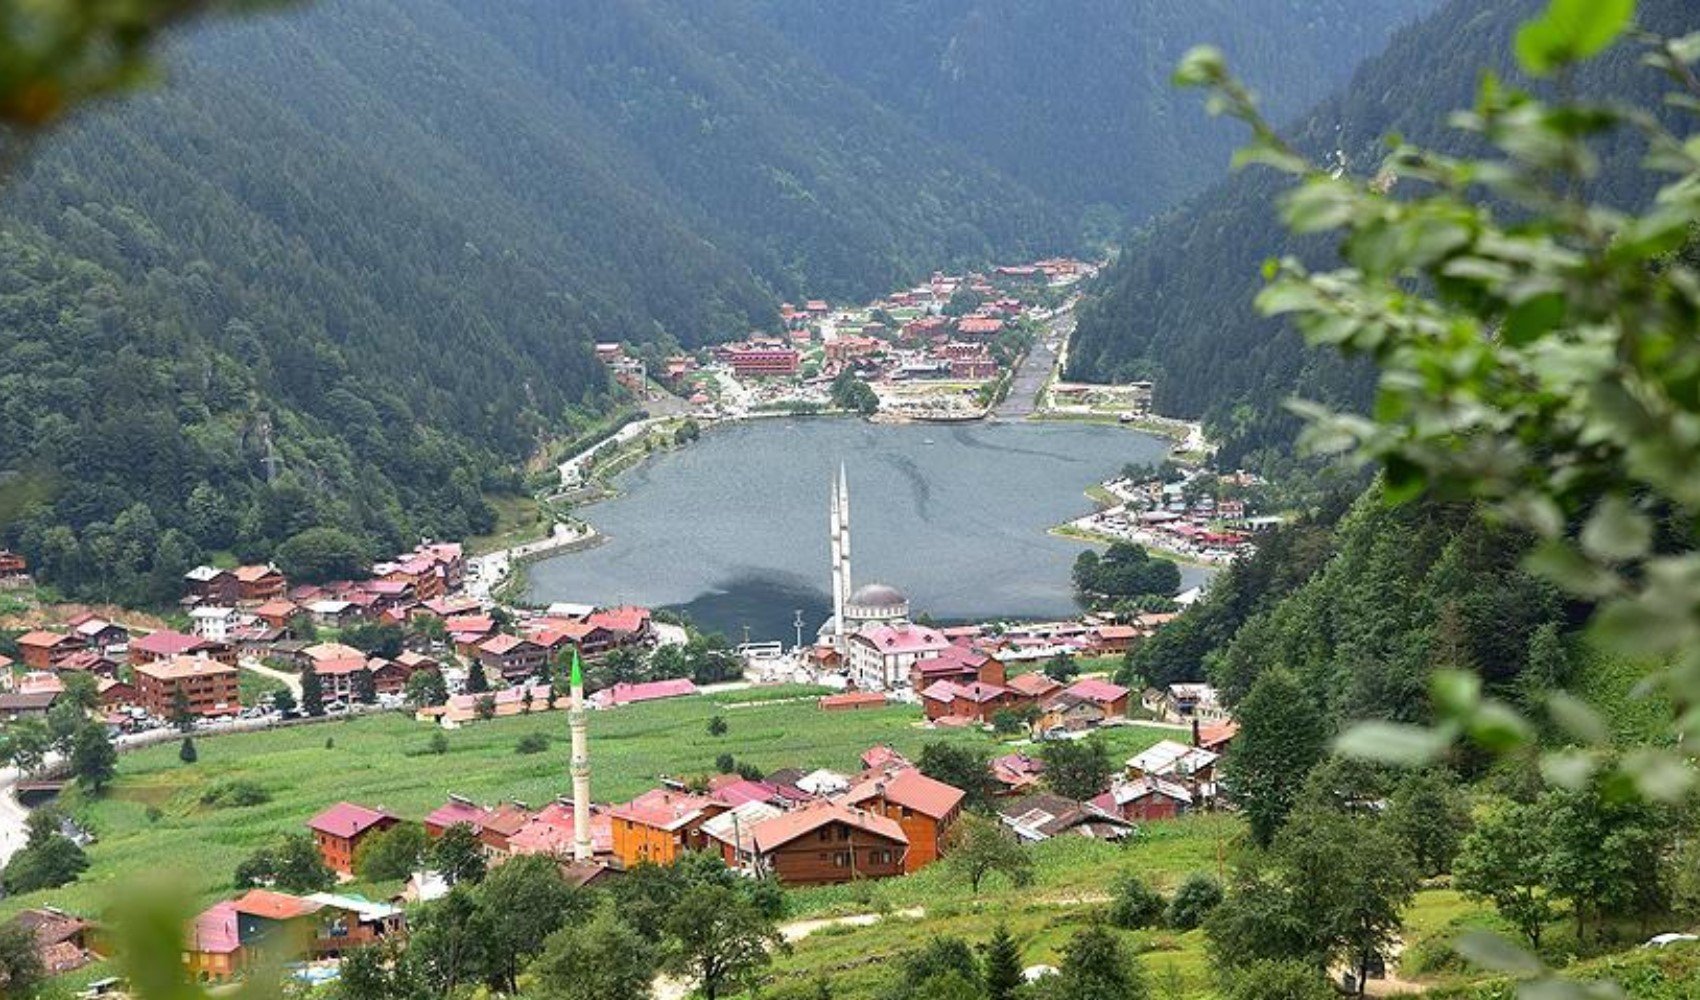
[[1178, 307], [343, 267]]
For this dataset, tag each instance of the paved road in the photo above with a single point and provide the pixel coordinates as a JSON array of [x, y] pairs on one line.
[[1024, 388]]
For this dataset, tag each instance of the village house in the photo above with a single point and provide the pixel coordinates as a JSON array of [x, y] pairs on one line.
[[204, 686], [165, 644], [1145, 799], [339, 831], [16, 705], [731, 834], [1189, 766], [278, 613], [213, 621], [1185, 702], [881, 656], [335, 665], [494, 827], [514, 658], [1108, 640], [552, 832], [99, 634], [850, 701], [89, 661], [923, 807], [43, 650], [659, 825], [259, 584], [627, 624], [12, 565], [210, 585], [958, 663], [823, 843], [115, 693], [1066, 712], [1036, 686], [1016, 773], [631, 694], [63, 942], [230, 937], [1043, 815], [334, 612], [976, 701], [1111, 698]]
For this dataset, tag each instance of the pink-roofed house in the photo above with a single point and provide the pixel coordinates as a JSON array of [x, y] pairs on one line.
[[339, 831], [552, 832], [1112, 698], [881, 656], [631, 694]]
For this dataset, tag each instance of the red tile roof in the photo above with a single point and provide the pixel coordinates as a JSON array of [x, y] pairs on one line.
[[1035, 685], [908, 787], [46, 640], [176, 667], [274, 905], [664, 809], [800, 822], [167, 643]]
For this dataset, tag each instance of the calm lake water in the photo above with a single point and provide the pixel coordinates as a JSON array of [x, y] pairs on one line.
[[733, 529]]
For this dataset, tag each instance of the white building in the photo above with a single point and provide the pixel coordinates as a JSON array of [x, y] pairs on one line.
[[213, 623], [880, 655]]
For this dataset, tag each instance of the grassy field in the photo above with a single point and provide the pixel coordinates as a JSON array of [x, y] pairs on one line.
[[1073, 880], [152, 819]]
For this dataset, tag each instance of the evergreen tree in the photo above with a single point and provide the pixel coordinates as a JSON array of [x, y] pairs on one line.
[[312, 694], [1003, 969], [426, 688], [476, 681], [186, 752]]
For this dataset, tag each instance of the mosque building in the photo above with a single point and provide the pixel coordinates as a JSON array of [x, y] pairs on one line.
[[870, 630]]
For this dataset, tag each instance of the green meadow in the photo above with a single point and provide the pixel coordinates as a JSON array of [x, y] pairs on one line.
[[152, 820]]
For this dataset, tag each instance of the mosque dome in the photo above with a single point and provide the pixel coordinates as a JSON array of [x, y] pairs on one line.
[[878, 595]]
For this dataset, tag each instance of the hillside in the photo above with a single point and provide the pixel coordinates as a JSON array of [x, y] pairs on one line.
[[344, 267], [1178, 307], [1073, 99]]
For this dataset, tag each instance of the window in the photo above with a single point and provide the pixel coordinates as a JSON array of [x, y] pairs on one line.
[[841, 859], [825, 834]]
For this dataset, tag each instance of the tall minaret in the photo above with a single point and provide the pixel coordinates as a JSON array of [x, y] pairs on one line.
[[583, 849], [838, 595], [844, 533]]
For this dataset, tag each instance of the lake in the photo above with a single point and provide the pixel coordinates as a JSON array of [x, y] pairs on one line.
[[732, 530]]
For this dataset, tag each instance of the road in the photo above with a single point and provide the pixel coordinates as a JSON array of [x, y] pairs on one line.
[[1029, 379], [284, 677]]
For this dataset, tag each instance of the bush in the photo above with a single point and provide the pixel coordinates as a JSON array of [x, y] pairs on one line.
[[235, 794], [1135, 905], [532, 743], [187, 753], [1193, 901], [438, 744]]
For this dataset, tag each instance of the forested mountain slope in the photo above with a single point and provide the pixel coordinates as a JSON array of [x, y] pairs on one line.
[[344, 268], [1178, 306], [1073, 99]]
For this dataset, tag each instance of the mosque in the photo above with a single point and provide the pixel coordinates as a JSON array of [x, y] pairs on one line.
[[869, 630]]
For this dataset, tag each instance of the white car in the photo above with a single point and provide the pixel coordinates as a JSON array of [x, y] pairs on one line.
[[1661, 940]]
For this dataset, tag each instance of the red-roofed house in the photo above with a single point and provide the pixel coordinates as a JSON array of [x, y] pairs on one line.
[[551, 832], [924, 807], [1016, 773], [958, 663], [850, 701], [626, 623], [512, 657], [493, 826], [1108, 639], [46, 650], [1112, 698], [213, 952], [828, 842], [881, 656], [165, 644], [948, 699], [259, 584], [659, 825], [1036, 685], [338, 831]]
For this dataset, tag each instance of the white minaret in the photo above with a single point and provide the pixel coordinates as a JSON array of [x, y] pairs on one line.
[[838, 594], [583, 849], [844, 539]]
